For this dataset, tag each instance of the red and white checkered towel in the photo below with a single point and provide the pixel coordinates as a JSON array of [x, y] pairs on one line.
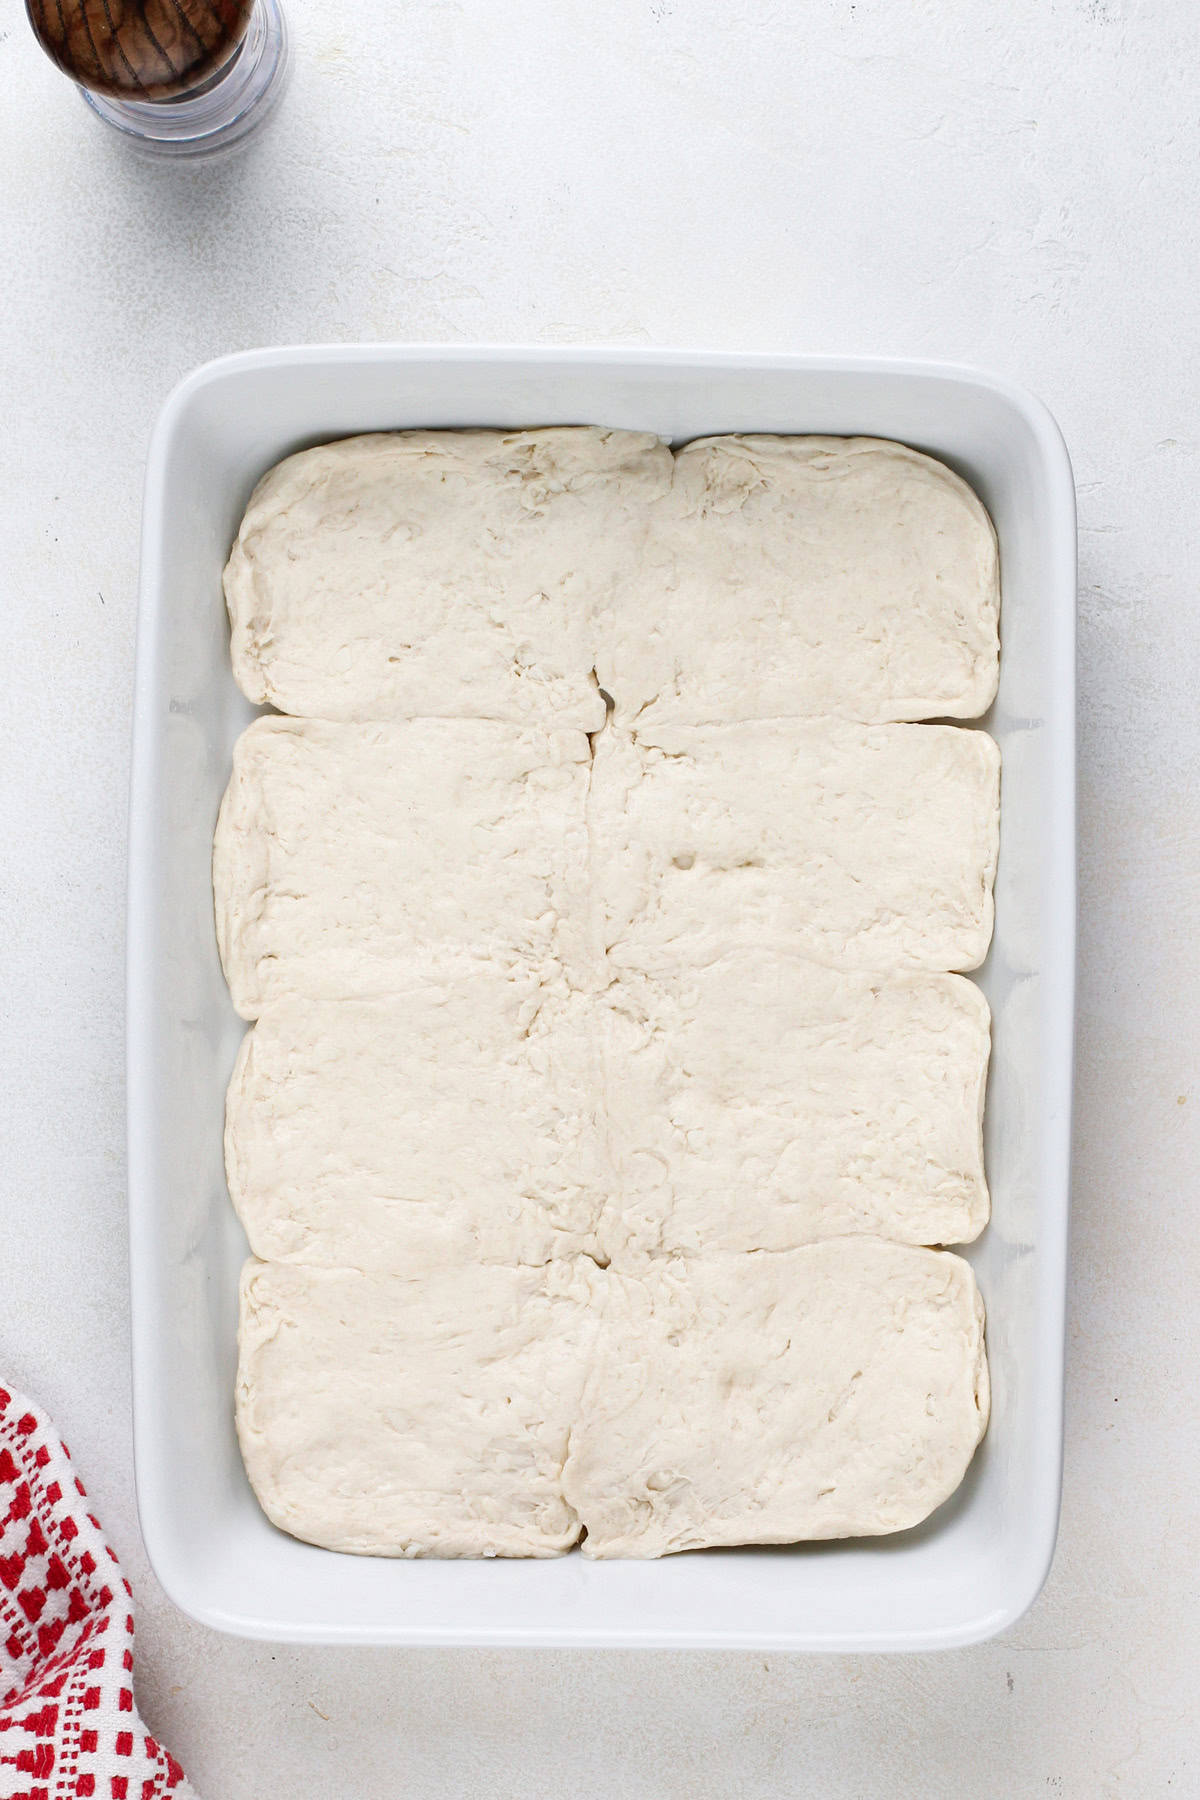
[[67, 1720]]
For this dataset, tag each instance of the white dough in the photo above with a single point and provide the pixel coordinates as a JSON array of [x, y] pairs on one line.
[[501, 575], [838, 1390], [414, 1416], [595, 911], [441, 572], [864, 847], [802, 576], [346, 853], [457, 1118], [761, 1102]]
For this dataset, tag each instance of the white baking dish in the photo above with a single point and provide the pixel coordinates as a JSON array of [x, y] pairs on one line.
[[979, 1562]]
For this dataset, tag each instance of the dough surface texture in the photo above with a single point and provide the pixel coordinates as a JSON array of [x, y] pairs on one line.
[[456, 1117], [427, 573], [347, 854], [419, 1415], [837, 1390], [506, 575], [798, 577], [760, 1102], [602, 904], [860, 846]]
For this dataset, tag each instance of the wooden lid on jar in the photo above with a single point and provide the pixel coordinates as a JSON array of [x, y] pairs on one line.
[[140, 49]]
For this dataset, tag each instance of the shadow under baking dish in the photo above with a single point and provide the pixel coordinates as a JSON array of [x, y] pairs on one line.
[[978, 1562]]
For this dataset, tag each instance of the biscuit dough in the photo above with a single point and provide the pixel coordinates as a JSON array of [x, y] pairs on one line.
[[345, 854], [861, 846], [456, 1118], [837, 1390], [595, 914], [802, 576], [451, 573], [507, 574], [419, 1415], [761, 1102]]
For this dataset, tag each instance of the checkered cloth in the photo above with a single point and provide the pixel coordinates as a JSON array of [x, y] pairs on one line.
[[68, 1725]]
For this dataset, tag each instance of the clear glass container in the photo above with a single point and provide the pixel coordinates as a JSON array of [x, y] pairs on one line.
[[191, 92]]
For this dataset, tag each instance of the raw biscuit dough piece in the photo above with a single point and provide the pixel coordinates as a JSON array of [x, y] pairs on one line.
[[804, 576], [455, 1119], [861, 846], [347, 853], [426, 1415], [445, 573], [837, 1390], [762, 1102]]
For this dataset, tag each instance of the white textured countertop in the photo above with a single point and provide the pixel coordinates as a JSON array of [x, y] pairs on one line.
[[1008, 184]]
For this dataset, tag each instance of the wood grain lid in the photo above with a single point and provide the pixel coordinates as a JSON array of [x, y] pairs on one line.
[[140, 49]]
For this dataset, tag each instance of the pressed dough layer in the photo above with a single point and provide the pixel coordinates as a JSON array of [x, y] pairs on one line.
[[799, 576], [347, 853], [509, 574], [861, 846], [837, 1390], [761, 1102], [670, 995], [418, 1415], [441, 572], [455, 1118]]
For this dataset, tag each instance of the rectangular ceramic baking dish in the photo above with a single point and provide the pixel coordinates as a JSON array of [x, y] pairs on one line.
[[979, 1561]]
